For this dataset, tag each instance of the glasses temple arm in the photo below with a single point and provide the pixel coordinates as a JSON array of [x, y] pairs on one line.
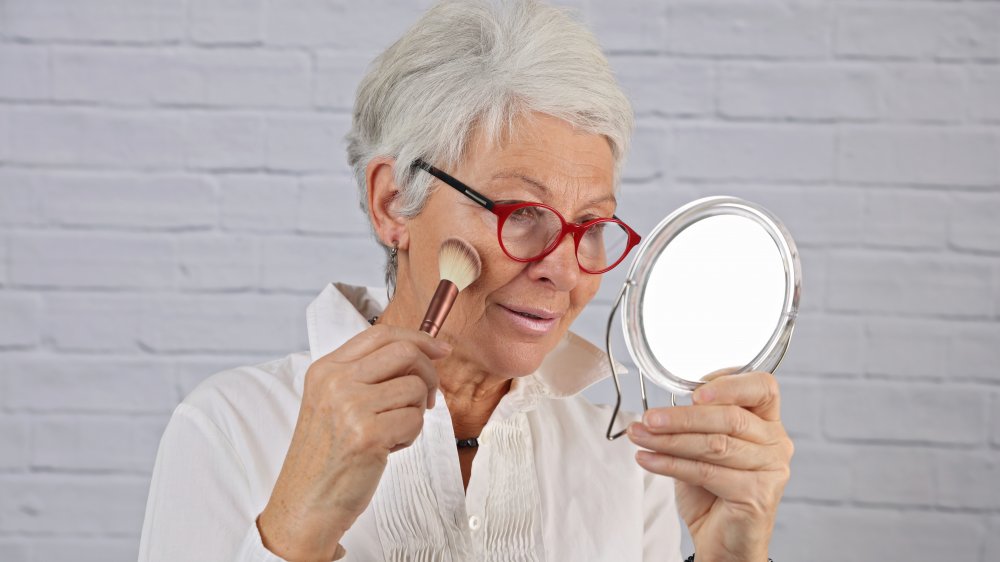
[[464, 189]]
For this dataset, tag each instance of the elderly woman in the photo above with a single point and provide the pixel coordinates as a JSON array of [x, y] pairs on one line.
[[382, 443]]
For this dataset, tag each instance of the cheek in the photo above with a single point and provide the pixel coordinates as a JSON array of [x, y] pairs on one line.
[[497, 271], [429, 230], [425, 245], [584, 291], [494, 272]]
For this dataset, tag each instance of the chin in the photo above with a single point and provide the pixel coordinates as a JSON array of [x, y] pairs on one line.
[[515, 358]]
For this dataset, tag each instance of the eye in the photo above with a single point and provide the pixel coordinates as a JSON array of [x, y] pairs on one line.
[[527, 214], [597, 230]]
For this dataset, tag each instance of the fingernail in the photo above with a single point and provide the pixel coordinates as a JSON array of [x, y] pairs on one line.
[[445, 346], [639, 430], [652, 419], [704, 395]]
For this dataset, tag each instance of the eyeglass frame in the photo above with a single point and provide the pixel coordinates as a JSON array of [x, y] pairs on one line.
[[504, 210]]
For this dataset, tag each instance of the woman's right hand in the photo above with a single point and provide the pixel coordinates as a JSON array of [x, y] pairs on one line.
[[361, 402]]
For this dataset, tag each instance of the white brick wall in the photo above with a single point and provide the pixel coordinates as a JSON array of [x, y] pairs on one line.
[[173, 191]]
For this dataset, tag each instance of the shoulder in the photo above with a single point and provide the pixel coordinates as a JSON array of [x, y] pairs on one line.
[[239, 400]]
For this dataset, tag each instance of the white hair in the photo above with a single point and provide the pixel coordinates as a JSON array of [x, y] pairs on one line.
[[479, 65]]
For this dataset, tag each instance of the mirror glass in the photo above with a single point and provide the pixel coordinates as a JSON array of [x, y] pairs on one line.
[[714, 286], [713, 297]]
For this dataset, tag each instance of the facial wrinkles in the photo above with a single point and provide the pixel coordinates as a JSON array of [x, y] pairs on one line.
[[572, 204], [501, 279], [566, 169], [482, 236], [571, 181], [571, 196], [574, 199]]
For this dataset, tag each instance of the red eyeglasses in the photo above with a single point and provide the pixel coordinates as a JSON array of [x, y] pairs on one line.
[[528, 232]]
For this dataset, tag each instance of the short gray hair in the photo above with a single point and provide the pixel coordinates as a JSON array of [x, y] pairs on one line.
[[479, 65]]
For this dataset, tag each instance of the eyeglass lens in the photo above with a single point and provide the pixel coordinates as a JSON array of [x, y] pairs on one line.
[[530, 231]]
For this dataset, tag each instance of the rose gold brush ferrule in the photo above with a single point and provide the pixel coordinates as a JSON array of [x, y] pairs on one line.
[[440, 306]]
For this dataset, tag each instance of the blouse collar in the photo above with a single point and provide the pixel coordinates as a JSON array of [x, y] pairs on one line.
[[342, 311]]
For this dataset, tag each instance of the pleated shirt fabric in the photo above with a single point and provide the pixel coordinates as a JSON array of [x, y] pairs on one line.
[[546, 485]]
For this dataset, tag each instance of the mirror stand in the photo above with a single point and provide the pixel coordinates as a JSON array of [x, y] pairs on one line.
[[742, 263], [611, 435]]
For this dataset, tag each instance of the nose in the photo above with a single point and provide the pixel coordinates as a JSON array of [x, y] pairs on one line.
[[560, 266]]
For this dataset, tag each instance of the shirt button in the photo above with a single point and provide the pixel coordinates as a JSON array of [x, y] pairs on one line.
[[474, 523]]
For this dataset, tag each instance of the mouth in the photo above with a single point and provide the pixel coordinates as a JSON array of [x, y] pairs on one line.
[[533, 313], [531, 321]]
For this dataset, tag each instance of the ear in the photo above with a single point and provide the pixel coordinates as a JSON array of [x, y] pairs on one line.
[[382, 197]]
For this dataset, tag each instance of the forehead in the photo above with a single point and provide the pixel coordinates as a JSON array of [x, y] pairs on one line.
[[549, 151]]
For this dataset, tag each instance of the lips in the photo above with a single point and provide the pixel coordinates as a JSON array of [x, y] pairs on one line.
[[534, 313], [530, 322]]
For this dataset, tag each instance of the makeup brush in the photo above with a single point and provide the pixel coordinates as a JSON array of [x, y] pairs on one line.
[[459, 265]]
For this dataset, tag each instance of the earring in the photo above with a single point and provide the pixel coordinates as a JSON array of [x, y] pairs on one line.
[[390, 274]]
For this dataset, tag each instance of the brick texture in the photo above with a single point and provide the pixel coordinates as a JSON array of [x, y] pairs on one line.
[[174, 191]]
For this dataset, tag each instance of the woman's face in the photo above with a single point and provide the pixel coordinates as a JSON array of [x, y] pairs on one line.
[[546, 160]]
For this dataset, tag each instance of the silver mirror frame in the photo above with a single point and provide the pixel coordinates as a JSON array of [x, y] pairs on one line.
[[634, 286]]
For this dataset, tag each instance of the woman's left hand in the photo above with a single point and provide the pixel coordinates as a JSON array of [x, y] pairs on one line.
[[729, 455]]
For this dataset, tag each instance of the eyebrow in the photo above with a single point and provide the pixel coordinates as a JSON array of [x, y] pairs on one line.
[[545, 191]]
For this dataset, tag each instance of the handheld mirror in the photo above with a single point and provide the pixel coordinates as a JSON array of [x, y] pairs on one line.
[[715, 286]]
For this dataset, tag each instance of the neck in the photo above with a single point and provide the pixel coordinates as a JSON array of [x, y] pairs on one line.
[[470, 391], [471, 395]]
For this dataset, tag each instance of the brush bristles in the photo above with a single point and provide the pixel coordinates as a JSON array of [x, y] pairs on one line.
[[459, 262]]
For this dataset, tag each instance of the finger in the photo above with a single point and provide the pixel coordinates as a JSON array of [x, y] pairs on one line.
[[399, 428], [716, 448], [726, 483], [381, 335], [400, 392], [728, 420], [758, 391], [720, 373], [399, 358]]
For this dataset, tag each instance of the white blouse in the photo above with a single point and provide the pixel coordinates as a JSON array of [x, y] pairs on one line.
[[545, 484]]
